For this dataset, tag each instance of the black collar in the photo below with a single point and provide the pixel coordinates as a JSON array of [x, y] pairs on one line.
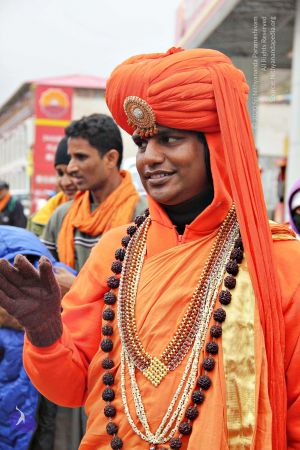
[[184, 213]]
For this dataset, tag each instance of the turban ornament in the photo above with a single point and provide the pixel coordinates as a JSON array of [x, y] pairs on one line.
[[140, 116]]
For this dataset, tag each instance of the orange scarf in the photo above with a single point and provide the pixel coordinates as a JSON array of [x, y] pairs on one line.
[[4, 201], [201, 90], [117, 209]]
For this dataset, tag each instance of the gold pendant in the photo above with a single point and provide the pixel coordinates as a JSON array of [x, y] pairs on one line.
[[156, 372]]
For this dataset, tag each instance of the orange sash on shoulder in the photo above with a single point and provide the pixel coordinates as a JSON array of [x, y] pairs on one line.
[[4, 201]]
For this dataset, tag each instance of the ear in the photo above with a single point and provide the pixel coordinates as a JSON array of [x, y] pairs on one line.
[[111, 158]]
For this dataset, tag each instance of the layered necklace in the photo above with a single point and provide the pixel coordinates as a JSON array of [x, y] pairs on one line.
[[225, 256]]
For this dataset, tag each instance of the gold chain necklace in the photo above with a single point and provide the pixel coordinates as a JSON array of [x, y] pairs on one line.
[[155, 369]]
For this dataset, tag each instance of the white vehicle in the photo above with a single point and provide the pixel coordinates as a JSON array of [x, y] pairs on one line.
[[130, 165]]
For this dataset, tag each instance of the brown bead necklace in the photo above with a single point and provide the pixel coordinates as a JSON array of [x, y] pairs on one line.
[[192, 326]]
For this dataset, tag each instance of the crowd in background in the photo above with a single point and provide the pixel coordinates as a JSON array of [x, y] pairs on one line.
[[93, 195]]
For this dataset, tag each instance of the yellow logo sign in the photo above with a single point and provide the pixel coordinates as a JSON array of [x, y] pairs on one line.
[[54, 103]]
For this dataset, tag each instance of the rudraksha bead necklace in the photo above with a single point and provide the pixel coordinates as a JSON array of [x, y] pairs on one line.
[[173, 419], [106, 345]]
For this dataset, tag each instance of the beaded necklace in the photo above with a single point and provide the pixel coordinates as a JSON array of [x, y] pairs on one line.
[[190, 334]]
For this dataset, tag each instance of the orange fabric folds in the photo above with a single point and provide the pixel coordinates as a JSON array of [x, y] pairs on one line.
[[4, 201], [117, 209], [201, 90]]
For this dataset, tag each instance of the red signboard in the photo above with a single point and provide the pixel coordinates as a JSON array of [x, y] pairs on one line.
[[53, 111]]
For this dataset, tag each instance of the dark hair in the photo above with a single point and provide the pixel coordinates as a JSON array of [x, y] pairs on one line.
[[100, 131], [202, 139], [4, 185], [61, 154]]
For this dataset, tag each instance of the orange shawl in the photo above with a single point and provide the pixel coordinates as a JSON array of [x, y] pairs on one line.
[[4, 201], [201, 90], [117, 209]]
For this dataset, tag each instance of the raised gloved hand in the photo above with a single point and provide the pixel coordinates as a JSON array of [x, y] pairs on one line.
[[33, 298]]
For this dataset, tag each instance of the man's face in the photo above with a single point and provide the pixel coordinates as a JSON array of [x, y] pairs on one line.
[[64, 181], [171, 165], [88, 170]]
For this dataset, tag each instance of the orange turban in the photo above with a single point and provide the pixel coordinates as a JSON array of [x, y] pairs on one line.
[[201, 90]]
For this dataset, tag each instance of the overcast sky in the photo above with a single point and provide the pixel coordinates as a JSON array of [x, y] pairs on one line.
[[62, 37]]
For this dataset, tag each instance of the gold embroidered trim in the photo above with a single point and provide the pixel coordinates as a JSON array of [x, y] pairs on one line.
[[282, 237], [239, 365]]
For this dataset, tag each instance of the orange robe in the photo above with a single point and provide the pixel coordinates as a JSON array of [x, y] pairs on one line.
[[201, 90], [69, 371]]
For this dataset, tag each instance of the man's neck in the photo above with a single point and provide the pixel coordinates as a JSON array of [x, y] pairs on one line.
[[184, 213], [100, 195]]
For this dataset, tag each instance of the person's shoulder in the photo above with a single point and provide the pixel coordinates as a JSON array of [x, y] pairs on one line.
[[285, 243], [103, 253], [286, 249], [113, 237], [59, 213], [281, 231], [63, 208], [110, 241], [14, 200], [35, 228], [13, 203], [55, 221]]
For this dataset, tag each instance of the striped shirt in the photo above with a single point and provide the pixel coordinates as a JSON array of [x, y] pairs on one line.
[[83, 242]]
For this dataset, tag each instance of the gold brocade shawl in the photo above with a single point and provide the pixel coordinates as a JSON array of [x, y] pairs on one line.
[[241, 355], [245, 369]]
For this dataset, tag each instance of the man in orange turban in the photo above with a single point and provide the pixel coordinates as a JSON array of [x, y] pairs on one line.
[[202, 350]]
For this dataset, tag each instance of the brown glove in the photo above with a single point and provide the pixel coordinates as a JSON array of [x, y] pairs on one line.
[[33, 298]]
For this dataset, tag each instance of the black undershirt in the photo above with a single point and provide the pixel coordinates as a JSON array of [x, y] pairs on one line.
[[184, 213]]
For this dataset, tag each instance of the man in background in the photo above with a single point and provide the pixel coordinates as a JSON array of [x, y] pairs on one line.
[[11, 210], [106, 199], [67, 190]]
